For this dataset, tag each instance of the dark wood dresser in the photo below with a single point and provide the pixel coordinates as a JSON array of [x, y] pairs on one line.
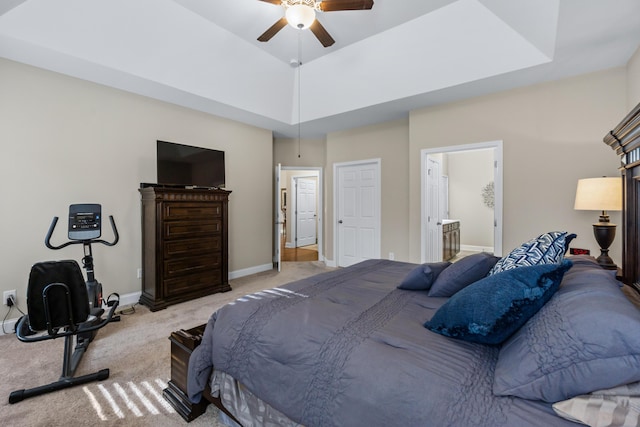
[[450, 240], [184, 244]]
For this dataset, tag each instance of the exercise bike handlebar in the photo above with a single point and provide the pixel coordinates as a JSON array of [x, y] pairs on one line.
[[47, 240]]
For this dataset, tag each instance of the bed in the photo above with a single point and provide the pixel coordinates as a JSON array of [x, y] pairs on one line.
[[522, 340]]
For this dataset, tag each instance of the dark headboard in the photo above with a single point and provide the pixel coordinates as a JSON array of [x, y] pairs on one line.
[[625, 140]]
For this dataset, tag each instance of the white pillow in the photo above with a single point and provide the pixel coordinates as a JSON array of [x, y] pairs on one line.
[[618, 406]]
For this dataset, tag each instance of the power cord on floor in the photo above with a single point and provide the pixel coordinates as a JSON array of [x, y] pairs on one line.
[[130, 310]]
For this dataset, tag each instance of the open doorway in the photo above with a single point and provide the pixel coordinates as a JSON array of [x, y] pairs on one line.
[[300, 207], [467, 203]]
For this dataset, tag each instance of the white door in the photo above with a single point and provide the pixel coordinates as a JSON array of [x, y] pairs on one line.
[[305, 213], [357, 212], [279, 221], [433, 211]]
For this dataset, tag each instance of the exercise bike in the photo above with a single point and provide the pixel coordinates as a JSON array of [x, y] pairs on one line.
[[63, 304], [85, 228]]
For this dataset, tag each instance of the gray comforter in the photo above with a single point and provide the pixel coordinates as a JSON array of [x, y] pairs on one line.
[[346, 348]]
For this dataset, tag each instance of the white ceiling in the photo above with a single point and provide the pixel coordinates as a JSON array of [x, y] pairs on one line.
[[399, 56]]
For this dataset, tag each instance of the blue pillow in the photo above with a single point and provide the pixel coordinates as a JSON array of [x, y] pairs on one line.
[[421, 278], [586, 338], [462, 273], [492, 309], [548, 248]]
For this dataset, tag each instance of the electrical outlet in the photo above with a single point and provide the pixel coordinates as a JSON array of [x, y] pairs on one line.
[[8, 294], [392, 256], [139, 273]]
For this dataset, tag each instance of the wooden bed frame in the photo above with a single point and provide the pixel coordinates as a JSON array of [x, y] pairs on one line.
[[183, 342], [624, 139]]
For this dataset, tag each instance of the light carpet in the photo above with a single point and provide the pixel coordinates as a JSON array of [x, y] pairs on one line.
[[137, 352]]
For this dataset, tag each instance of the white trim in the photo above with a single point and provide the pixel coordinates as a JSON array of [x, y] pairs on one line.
[[498, 189], [133, 297], [126, 299], [471, 248], [320, 207], [249, 271], [376, 161], [330, 263], [9, 325]]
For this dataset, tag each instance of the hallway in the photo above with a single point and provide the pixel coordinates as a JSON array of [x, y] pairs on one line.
[[304, 253]]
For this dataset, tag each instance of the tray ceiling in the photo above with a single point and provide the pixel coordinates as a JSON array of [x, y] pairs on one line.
[[399, 56]]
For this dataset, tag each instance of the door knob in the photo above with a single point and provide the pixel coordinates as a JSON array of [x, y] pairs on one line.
[[340, 221]]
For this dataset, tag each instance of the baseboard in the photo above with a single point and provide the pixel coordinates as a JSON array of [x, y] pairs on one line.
[[471, 248], [129, 299], [133, 297], [9, 326], [249, 271]]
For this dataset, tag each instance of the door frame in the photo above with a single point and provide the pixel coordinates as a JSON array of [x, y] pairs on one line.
[[336, 167], [294, 206], [437, 221], [498, 190], [319, 207]]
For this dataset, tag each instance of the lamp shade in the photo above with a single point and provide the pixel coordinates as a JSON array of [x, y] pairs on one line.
[[300, 16], [599, 194]]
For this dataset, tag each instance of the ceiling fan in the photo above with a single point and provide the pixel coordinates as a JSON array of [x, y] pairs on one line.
[[301, 14]]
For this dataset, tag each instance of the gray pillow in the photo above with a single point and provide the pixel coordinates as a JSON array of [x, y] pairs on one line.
[[586, 338], [421, 278], [462, 273]]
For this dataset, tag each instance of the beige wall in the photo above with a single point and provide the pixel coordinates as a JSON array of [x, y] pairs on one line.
[[65, 141], [552, 135], [388, 142], [633, 81], [311, 151]]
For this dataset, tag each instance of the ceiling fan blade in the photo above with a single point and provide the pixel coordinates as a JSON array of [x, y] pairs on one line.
[[273, 30], [318, 30], [276, 2], [335, 5]]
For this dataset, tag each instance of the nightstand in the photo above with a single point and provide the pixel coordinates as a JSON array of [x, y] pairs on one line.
[[183, 342]]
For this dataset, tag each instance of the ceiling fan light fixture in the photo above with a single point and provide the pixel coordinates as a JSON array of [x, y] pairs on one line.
[[300, 16]]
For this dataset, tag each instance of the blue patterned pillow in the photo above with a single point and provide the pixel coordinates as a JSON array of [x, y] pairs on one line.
[[548, 248], [490, 310]]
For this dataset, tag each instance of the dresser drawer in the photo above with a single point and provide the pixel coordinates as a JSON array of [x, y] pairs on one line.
[[192, 265], [192, 283], [189, 247], [450, 226], [191, 210], [186, 229]]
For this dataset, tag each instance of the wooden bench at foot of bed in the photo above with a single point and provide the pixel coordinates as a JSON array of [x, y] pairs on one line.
[[183, 342]]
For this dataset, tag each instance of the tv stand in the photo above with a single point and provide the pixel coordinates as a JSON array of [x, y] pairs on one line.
[[184, 244]]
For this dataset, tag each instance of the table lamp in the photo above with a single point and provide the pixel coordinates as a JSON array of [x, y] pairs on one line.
[[601, 194]]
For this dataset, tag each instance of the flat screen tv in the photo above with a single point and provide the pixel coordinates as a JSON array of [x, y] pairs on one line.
[[184, 165]]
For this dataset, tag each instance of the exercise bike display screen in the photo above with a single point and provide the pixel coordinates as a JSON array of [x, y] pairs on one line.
[[85, 221]]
